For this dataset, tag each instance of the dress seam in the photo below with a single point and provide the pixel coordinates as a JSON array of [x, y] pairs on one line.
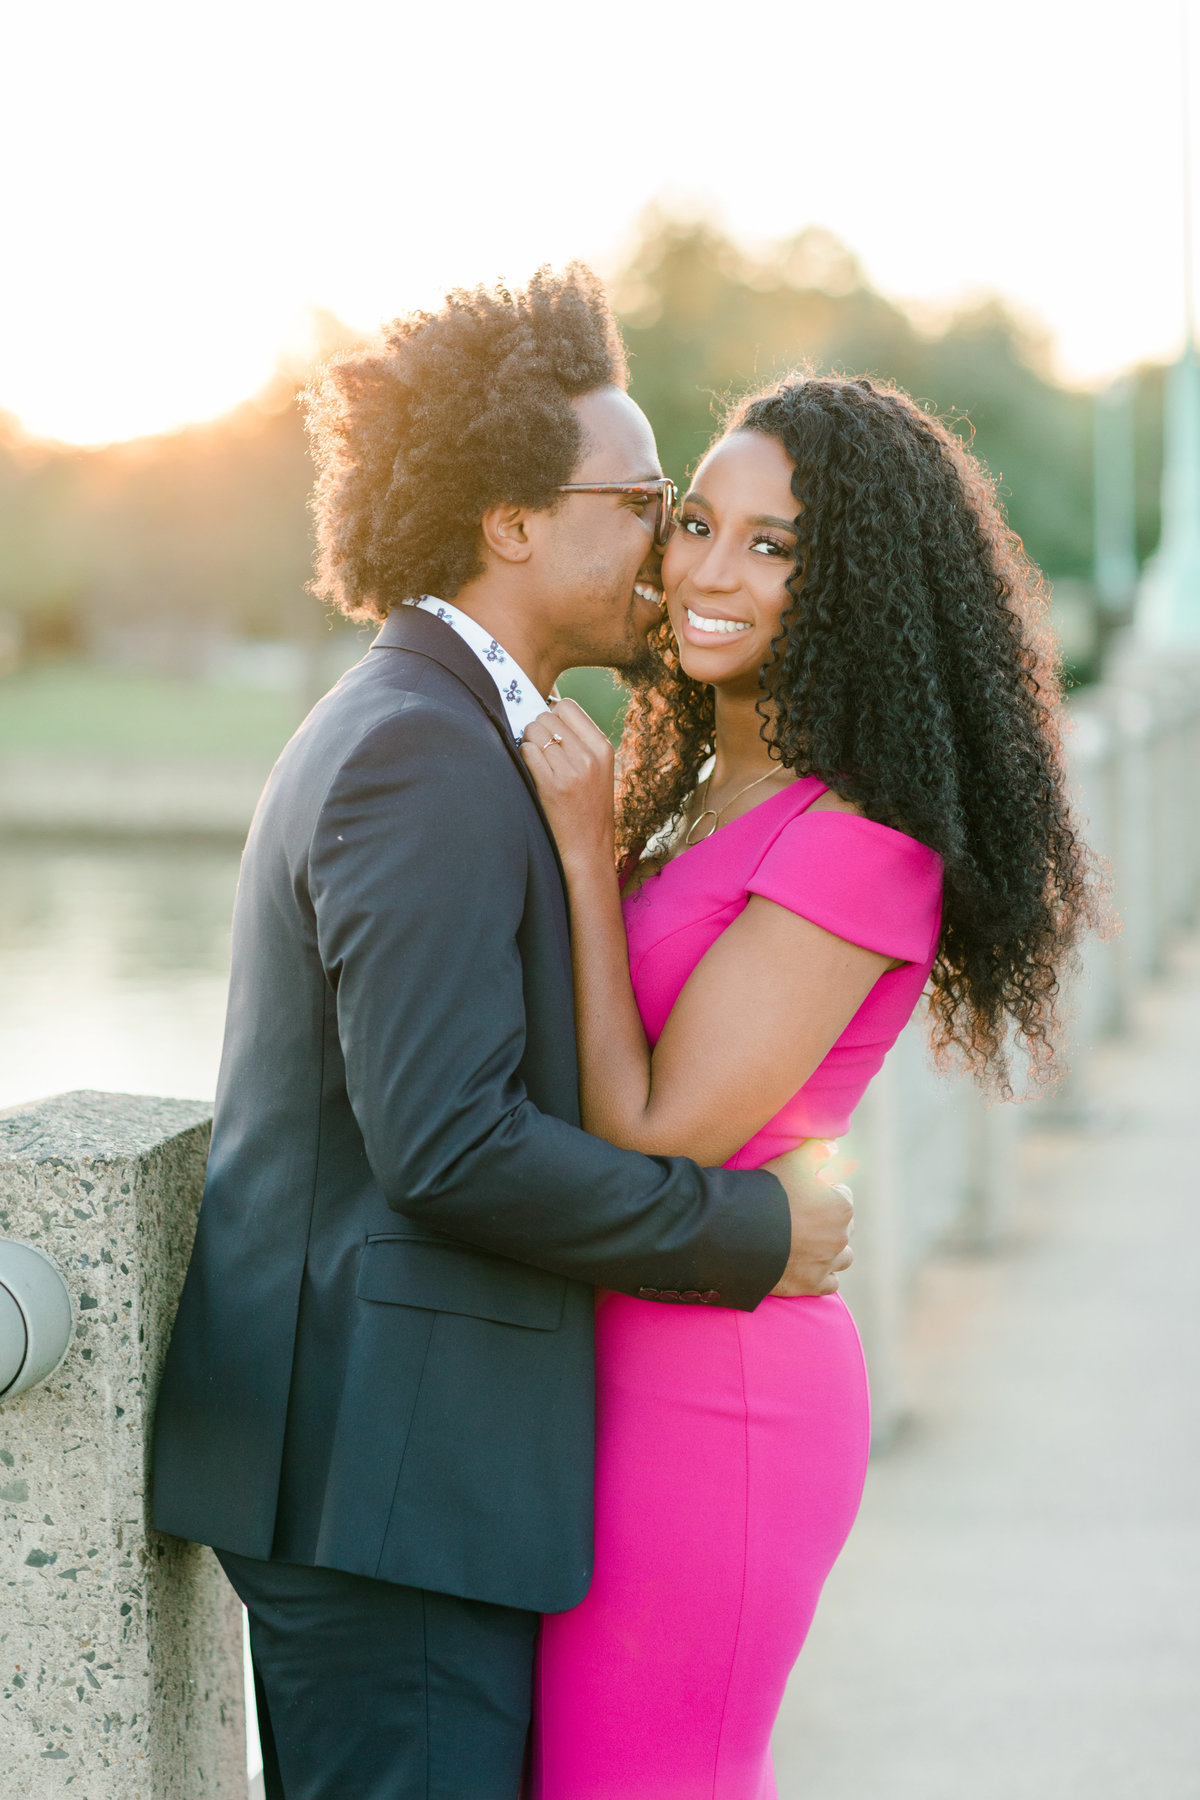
[[688, 925], [737, 1632]]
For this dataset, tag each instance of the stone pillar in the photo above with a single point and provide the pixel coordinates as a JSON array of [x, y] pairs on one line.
[[1168, 606], [120, 1649]]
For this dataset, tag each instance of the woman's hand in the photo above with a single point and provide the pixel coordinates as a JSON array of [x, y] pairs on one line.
[[571, 762]]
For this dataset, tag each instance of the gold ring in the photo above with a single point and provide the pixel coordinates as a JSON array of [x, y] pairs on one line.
[[556, 739]]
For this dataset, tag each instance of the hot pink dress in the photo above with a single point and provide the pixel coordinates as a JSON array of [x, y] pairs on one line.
[[731, 1446]]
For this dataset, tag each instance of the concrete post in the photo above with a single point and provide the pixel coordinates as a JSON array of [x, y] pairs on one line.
[[120, 1649], [1114, 512], [1133, 868], [1168, 606]]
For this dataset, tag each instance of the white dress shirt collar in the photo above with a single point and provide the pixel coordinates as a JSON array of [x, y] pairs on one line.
[[519, 696]]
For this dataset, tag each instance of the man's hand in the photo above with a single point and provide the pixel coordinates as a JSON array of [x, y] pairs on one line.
[[822, 1220]]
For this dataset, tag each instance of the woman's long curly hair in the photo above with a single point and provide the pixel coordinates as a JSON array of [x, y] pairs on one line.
[[914, 674]]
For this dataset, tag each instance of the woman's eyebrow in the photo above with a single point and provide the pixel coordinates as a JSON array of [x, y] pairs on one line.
[[693, 498]]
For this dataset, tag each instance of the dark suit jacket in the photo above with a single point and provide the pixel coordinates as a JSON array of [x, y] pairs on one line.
[[382, 1361]]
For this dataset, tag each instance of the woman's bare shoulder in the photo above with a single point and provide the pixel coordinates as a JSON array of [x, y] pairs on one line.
[[831, 802]]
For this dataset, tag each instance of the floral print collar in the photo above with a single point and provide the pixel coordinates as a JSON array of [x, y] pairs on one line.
[[522, 702]]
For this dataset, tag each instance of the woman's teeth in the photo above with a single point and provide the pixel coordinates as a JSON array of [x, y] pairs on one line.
[[699, 623], [644, 590]]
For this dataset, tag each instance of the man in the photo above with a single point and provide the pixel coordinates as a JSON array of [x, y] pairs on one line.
[[378, 1399]]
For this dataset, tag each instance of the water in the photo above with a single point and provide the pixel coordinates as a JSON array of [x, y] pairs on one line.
[[114, 964]]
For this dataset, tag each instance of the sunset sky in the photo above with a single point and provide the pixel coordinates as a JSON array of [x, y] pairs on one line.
[[184, 184]]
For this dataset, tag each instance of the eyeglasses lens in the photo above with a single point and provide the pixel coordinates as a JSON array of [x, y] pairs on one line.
[[664, 524]]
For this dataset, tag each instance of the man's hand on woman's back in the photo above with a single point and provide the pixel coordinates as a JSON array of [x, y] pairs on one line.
[[822, 1221]]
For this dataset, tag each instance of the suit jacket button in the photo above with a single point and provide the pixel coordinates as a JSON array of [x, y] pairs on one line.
[[668, 1293], [710, 1295], [647, 1293], [690, 1295]]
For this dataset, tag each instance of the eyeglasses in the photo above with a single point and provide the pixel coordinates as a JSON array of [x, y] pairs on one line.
[[662, 492]]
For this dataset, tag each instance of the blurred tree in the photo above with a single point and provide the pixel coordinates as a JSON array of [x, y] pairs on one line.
[[159, 549], [705, 321], [176, 540], [1148, 393], [170, 544], [43, 560]]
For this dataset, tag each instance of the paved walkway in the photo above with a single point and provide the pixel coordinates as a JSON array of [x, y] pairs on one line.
[[1017, 1615]]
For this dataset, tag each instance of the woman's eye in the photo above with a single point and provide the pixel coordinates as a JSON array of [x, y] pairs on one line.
[[769, 547], [694, 527]]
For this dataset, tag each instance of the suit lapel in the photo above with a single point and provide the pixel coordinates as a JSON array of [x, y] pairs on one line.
[[408, 628]]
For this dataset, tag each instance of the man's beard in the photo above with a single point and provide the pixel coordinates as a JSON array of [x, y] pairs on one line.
[[641, 665]]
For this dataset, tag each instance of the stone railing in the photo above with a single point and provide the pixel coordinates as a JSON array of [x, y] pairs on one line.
[[935, 1161], [121, 1649]]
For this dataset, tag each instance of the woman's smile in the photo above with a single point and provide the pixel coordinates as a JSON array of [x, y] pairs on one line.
[[711, 623]]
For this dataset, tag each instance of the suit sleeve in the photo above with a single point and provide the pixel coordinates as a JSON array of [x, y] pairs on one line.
[[417, 876]]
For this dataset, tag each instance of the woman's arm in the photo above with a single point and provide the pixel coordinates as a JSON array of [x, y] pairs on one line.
[[574, 780], [757, 1015]]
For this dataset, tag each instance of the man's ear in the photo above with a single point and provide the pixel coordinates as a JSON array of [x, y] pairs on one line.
[[506, 534]]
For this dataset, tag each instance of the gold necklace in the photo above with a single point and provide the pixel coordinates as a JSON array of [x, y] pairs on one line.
[[714, 814]]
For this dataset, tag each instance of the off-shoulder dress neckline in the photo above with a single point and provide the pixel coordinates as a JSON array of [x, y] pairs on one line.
[[628, 890]]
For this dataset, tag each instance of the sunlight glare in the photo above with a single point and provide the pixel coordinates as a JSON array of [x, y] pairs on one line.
[[190, 182]]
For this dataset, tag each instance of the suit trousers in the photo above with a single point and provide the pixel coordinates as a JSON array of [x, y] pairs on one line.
[[368, 1690]]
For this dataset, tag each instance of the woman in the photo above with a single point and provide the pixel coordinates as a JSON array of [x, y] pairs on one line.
[[852, 643]]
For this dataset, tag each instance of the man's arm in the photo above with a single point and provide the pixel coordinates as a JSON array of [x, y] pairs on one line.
[[417, 874]]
